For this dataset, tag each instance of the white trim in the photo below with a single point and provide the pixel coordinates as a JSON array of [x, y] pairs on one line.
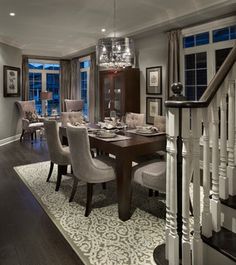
[[221, 23], [86, 58], [9, 140]]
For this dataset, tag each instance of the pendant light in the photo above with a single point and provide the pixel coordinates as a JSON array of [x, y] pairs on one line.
[[115, 52]]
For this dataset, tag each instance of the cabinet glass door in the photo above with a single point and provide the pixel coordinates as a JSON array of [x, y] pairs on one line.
[[117, 94], [107, 94]]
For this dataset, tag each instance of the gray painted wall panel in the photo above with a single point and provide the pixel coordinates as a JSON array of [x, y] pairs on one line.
[[9, 116]]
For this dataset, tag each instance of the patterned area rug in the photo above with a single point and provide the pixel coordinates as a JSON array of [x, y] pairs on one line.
[[102, 238]]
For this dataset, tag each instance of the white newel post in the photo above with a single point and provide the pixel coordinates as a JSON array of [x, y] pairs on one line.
[[197, 247], [168, 166], [206, 214], [223, 180], [231, 169], [186, 246], [173, 241], [215, 201]]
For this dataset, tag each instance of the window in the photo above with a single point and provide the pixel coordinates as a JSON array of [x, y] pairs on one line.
[[195, 75], [44, 76], [204, 51], [196, 40], [84, 84]]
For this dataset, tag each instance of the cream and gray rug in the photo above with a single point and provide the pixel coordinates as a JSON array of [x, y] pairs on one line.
[[102, 238]]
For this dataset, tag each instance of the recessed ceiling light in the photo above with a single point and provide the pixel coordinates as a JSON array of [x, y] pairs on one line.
[[103, 30], [12, 14]]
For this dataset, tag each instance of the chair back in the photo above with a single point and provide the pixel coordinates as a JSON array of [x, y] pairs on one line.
[[55, 148], [83, 164], [160, 123], [73, 105], [72, 117], [134, 119], [25, 106]]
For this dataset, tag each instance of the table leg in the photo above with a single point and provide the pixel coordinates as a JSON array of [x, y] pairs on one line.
[[124, 187]]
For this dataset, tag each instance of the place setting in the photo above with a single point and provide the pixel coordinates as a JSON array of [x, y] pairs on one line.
[[146, 131]]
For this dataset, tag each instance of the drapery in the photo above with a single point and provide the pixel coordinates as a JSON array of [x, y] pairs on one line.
[[65, 82], [75, 77], [25, 78], [93, 91], [173, 66]]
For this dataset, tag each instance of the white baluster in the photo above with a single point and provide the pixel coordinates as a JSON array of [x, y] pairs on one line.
[[231, 169], [215, 202], [223, 180], [167, 230], [197, 247], [173, 241], [186, 246], [206, 214]]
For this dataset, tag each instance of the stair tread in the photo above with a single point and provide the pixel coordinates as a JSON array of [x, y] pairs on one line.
[[223, 241], [230, 202]]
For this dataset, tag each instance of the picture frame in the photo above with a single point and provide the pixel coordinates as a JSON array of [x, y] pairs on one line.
[[11, 81], [153, 107], [154, 80]]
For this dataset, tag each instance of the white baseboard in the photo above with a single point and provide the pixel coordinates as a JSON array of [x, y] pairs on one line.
[[9, 139]]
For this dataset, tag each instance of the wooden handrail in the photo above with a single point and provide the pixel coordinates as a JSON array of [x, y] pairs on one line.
[[212, 88]]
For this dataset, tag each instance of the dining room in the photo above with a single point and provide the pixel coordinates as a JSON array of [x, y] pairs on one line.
[[101, 107]]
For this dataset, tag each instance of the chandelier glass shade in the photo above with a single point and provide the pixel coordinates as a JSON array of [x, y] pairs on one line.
[[115, 52]]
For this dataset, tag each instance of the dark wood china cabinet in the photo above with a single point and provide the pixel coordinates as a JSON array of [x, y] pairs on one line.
[[119, 91]]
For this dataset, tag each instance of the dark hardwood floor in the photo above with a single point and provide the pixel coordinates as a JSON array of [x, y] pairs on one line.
[[27, 235]]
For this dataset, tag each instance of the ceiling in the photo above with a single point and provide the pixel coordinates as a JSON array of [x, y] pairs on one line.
[[64, 28]]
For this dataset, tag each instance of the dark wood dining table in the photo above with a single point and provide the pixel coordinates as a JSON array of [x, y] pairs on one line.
[[125, 151]]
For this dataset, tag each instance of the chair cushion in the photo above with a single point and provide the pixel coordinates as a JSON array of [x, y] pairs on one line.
[[31, 116], [151, 175], [160, 123]]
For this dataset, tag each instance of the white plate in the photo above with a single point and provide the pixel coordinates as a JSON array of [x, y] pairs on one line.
[[107, 135]]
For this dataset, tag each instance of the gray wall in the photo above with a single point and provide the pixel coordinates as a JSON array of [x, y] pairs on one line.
[[151, 51], [9, 124]]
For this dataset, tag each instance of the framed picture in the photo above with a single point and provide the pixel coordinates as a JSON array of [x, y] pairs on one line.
[[11, 81], [154, 80], [153, 108]]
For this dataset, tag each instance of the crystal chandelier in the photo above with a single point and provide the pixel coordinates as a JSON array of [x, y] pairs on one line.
[[115, 52]]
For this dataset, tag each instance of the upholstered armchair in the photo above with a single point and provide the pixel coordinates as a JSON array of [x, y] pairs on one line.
[[134, 119], [73, 105], [72, 117], [85, 168], [30, 121], [160, 123], [59, 154]]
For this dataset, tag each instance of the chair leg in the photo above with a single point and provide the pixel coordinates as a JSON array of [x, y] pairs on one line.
[[156, 193], [22, 134], [150, 192], [104, 185], [50, 170], [62, 169], [32, 136], [89, 199], [75, 184]]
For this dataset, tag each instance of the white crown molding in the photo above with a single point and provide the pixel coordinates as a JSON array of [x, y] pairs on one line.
[[9, 140]]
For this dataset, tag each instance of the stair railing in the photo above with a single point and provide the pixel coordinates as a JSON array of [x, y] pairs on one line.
[[187, 123]]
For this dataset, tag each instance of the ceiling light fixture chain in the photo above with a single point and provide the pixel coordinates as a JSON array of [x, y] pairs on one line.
[[115, 52]]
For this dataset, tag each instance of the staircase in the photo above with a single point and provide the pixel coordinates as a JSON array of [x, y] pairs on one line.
[[202, 133]]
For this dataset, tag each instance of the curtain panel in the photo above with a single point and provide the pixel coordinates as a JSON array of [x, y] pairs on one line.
[[173, 65], [65, 82], [75, 77], [25, 78], [93, 91]]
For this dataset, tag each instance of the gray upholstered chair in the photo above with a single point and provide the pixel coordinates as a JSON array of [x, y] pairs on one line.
[[134, 119], [28, 126], [73, 105], [151, 175], [160, 123], [85, 168], [58, 154], [72, 117]]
